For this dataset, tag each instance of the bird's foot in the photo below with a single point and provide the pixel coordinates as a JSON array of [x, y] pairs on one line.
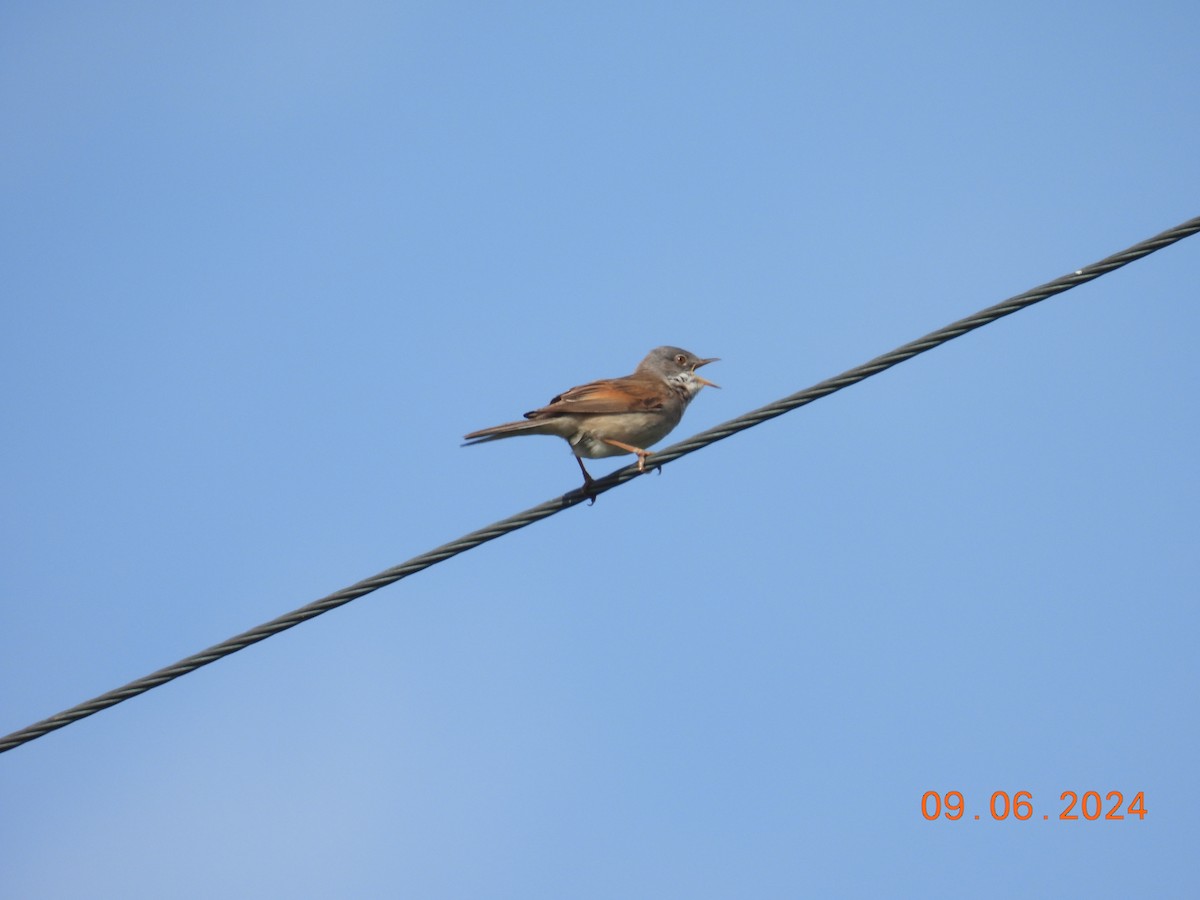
[[629, 448], [588, 481]]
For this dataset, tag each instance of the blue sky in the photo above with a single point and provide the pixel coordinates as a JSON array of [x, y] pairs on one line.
[[264, 264]]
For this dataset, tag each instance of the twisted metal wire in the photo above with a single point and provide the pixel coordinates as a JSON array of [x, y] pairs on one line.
[[601, 485]]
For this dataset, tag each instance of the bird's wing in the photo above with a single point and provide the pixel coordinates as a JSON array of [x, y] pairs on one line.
[[615, 395]]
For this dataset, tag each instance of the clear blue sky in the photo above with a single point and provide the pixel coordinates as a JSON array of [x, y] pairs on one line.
[[264, 264]]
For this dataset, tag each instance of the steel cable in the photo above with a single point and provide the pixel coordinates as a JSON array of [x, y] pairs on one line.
[[601, 485]]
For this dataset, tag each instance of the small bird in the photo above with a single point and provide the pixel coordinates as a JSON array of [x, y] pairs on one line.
[[615, 416]]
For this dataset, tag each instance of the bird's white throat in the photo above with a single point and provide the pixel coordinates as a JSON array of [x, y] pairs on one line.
[[686, 383]]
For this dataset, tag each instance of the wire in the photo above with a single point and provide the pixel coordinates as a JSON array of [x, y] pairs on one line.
[[601, 485]]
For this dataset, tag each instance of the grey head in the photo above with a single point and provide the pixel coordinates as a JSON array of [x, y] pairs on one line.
[[676, 366]]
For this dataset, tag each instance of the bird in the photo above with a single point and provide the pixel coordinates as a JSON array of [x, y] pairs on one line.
[[615, 416]]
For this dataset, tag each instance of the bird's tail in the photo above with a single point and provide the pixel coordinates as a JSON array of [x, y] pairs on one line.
[[507, 430]]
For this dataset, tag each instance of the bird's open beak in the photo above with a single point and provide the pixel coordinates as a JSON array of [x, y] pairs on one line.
[[705, 362]]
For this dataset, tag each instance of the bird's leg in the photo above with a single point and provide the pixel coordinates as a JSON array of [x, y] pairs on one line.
[[588, 481], [629, 448]]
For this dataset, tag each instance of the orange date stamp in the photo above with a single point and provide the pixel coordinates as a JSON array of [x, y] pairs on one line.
[[1071, 807]]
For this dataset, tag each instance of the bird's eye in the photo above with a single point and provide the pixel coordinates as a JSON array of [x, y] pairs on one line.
[[681, 359]]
